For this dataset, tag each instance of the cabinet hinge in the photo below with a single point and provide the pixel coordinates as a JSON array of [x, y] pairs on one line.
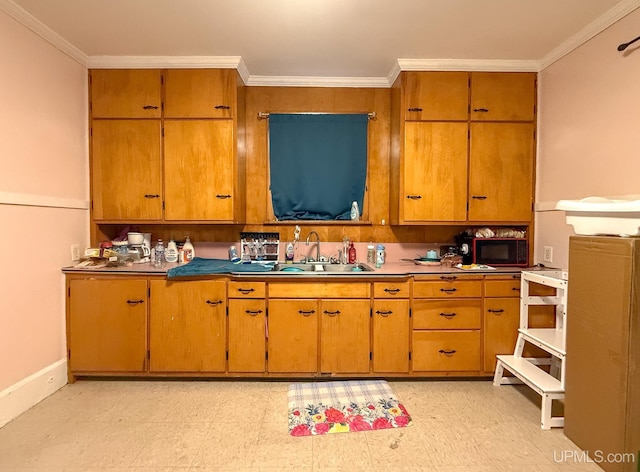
[[227, 315], [163, 204], [227, 355], [69, 354], [91, 132], [469, 133], [148, 355], [410, 313], [149, 292], [370, 356], [162, 131], [69, 292], [266, 355], [409, 355], [370, 312]]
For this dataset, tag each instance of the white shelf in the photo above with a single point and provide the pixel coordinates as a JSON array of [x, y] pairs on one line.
[[531, 375]]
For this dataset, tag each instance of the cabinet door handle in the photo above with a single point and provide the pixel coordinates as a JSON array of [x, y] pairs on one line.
[[448, 277], [151, 195], [253, 313], [150, 107], [479, 197], [448, 290], [245, 291], [447, 353], [214, 303], [392, 291], [415, 109], [414, 197], [332, 313], [481, 110], [497, 312], [448, 315], [384, 313], [222, 197], [222, 107], [134, 302], [306, 313]]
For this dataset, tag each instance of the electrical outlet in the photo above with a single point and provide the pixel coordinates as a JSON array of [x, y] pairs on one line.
[[548, 254], [75, 252]]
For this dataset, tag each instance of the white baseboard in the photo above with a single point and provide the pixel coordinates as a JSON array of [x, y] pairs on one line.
[[21, 396]]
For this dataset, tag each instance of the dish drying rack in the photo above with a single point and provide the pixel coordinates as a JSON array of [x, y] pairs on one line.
[[260, 246]]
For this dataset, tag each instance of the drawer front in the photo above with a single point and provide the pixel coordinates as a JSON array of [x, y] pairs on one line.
[[502, 288], [319, 290], [448, 289], [447, 314], [446, 351], [391, 290], [247, 290]]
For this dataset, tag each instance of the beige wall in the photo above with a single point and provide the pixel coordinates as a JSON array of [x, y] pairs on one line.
[[43, 196], [589, 122]]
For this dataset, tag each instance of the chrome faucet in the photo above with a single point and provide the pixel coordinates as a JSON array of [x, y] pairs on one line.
[[317, 244]]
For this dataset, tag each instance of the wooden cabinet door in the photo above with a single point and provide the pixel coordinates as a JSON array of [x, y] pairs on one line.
[[439, 96], [199, 170], [293, 336], [390, 336], [344, 336], [107, 325], [501, 172], [126, 93], [187, 329], [200, 93], [247, 337], [126, 170], [501, 322], [435, 172], [446, 351], [503, 96]]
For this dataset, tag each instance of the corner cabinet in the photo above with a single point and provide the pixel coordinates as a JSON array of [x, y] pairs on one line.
[[462, 147], [172, 161]]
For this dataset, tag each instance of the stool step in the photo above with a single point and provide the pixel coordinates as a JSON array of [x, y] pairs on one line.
[[530, 374]]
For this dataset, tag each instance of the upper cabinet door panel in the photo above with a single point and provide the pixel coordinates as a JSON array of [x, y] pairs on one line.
[[200, 93], [126, 93], [439, 96], [503, 96]]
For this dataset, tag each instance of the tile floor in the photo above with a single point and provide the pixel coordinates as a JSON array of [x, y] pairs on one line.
[[198, 426]]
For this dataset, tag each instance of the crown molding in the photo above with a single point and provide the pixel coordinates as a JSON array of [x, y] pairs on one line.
[[489, 65], [616, 13], [165, 62], [26, 19], [303, 81]]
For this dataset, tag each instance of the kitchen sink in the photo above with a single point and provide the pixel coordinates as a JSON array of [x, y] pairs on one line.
[[320, 268]]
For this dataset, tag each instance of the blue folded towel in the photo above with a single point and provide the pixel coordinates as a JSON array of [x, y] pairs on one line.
[[203, 266]]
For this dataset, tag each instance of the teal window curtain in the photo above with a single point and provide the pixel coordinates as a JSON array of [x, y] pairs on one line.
[[318, 165]]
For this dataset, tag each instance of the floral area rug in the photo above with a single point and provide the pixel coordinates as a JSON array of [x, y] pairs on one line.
[[340, 407]]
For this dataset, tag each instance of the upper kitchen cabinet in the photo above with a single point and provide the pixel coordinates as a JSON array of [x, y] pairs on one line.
[[503, 96], [439, 96], [200, 93], [126, 93]]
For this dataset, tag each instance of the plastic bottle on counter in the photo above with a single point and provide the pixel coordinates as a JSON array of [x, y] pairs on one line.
[[371, 254], [159, 258], [379, 256], [171, 253], [289, 252], [352, 253], [233, 254], [189, 251]]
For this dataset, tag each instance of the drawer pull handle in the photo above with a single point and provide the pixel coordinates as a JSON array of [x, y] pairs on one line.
[[415, 109], [332, 313], [384, 313], [222, 197], [306, 313], [414, 197], [151, 195], [481, 110], [447, 353], [479, 197], [222, 107], [392, 291], [497, 312], [448, 315], [448, 290], [245, 291], [253, 313], [448, 277], [515, 289], [134, 302], [150, 107], [213, 303]]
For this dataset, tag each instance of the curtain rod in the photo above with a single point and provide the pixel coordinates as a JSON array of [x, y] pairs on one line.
[[264, 115]]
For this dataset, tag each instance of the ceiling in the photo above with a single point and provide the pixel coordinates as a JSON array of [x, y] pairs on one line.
[[324, 38]]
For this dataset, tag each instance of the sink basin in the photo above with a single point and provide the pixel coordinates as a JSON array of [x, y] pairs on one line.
[[322, 268]]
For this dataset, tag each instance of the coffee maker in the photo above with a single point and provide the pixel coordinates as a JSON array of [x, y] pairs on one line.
[[140, 251]]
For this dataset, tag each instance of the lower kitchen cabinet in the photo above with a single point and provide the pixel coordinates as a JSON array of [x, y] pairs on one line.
[[344, 336], [390, 335], [293, 336], [446, 351], [247, 342], [107, 325], [187, 326]]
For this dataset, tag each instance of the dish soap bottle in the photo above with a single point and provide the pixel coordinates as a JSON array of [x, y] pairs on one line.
[[288, 253], [352, 253], [355, 211], [171, 253], [189, 250]]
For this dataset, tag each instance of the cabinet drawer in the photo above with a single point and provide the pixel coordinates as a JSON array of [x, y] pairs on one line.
[[448, 289], [319, 290], [502, 288], [246, 290], [447, 314], [391, 290], [446, 351]]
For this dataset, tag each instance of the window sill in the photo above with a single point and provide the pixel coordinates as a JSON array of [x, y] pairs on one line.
[[318, 222]]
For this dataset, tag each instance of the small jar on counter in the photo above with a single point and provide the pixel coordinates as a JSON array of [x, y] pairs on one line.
[[379, 256]]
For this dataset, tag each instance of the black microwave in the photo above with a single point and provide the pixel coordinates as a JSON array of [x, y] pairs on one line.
[[495, 251]]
